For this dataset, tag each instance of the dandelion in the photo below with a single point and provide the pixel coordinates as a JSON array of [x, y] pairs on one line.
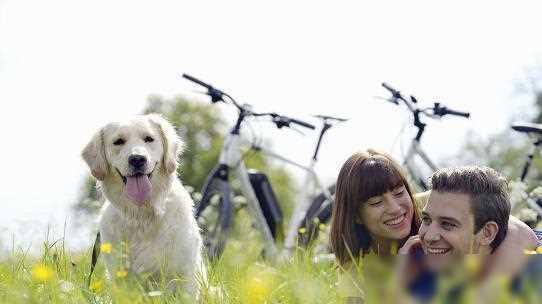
[[302, 230], [322, 227], [42, 273], [96, 286], [121, 273], [106, 248], [66, 286]]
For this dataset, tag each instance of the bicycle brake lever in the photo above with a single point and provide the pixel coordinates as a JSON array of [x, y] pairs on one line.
[[392, 99], [298, 131]]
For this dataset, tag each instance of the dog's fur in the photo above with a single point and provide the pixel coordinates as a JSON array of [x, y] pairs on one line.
[[160, 232]]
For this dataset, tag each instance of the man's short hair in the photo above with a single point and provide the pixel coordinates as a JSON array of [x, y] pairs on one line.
[[488, 194]]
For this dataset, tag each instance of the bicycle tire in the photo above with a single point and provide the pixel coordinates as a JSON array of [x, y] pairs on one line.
[[316, 215], [214, 214]]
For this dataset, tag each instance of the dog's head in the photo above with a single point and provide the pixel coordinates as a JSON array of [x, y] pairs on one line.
[[134, 155]]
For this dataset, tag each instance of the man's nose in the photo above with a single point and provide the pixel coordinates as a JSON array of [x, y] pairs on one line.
[[431, 234]]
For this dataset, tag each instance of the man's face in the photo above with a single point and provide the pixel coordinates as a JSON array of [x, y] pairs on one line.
[[447, 229]]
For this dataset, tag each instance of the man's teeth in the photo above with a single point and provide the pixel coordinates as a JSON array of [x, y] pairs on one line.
[[437, 250], [395, 221]]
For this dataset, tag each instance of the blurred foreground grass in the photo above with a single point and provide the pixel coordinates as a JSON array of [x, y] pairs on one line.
[[242, 275]]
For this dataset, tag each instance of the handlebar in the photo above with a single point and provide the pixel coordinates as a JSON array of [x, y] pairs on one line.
[[441, 111], [285, 121], [438, 110], [245, 110], [302, 123], [194, 79], [216, 95]]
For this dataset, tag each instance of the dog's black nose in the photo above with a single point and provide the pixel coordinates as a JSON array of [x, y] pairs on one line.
[[137, 161]]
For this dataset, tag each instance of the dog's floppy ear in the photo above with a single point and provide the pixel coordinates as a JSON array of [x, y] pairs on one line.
[[172, 144], [94, 156]]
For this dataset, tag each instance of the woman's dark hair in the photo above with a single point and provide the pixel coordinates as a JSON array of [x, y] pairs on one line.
[[363, 175]]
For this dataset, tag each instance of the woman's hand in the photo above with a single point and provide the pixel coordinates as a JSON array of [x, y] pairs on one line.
[[411, 245]]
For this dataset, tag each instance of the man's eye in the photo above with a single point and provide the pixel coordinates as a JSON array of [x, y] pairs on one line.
[[149, 139], [119, 142], [447, 226]]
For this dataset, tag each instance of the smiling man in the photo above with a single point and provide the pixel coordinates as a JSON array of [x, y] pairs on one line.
[[467, 212]]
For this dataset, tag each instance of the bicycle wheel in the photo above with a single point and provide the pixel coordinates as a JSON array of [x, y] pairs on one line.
[[318, 214], [214, 216]]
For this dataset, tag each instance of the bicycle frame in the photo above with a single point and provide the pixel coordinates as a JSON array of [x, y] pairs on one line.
[[300, 209], [415, 149], [231, 157]]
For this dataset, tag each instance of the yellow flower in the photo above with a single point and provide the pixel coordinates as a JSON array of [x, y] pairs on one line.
[[322, 227], [106, 248], [258, 290], [472, 264], [96, 286], [122, 273], [539, 250], [302, 230], [42, 273], [259, 285]]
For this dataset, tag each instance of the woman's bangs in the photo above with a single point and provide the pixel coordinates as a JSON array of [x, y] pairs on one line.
[[378, 177]]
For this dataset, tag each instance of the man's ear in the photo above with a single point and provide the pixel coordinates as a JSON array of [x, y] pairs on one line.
[[95, 157], [488, 233]]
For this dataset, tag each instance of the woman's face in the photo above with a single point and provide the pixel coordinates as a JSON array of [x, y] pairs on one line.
[[388, 216]]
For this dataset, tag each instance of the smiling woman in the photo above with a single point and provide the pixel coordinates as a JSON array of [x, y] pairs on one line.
[[374, 207]]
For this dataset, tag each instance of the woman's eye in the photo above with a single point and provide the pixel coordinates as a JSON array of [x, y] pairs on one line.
[[400, 193], [149, 139], [426, 220], [375, 203], [119, 142]]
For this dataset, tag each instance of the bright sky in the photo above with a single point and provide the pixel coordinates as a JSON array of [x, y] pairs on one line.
[[69, 66]]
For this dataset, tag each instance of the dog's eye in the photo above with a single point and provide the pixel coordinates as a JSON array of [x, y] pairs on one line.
[[119, 142], [149, 139]]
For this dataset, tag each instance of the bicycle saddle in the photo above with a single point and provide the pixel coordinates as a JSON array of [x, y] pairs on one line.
[[527, 127]]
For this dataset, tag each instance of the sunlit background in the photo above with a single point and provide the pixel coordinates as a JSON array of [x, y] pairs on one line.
[[69, 66]]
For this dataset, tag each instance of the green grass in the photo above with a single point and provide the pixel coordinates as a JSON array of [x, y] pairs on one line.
[[242, 275]]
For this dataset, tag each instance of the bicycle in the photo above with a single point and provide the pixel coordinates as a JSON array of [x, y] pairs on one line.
[[320, 211], [534, 130], [215, 209]]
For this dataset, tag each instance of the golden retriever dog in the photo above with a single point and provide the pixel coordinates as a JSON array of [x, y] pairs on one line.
[[148, 213]]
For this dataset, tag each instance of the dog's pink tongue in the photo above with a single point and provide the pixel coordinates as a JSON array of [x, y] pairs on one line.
[[138, 188]]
